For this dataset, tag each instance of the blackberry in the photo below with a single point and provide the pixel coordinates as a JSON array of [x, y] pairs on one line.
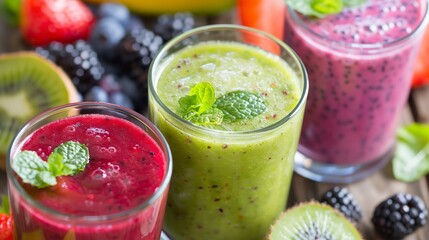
[[78, 60], [138, 48], [342, 200], [169, 26], [53, 51], [399, 215]]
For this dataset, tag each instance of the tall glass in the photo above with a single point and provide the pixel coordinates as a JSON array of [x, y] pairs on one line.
[[359, 64], [226, 184], [40, 214]]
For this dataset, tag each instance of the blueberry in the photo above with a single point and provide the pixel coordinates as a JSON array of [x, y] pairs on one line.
[[130, 88], [105, 36], [115, 11], [134, 23], [121, 99], [97, 94]]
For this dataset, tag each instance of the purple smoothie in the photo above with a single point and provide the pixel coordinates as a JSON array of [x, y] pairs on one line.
[[359, 64]]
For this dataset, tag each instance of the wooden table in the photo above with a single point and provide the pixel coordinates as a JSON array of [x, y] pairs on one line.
[[368, 192]]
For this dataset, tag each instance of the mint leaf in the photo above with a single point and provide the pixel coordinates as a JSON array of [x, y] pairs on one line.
[[75, 156], [411, 160], [205, 95], [197, 106], [56, 164], [239, 105], [321, 8], [67, 159], [304, 7], [327, 6], [213, 116], [5, 205], [32, 169], [353, 3], [188, 104]]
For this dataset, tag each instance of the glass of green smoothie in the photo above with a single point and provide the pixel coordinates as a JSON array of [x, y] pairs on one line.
[[229, 100]]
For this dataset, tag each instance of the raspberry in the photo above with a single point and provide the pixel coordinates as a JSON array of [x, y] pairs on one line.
[[399, 215], [169, 26], [6, 227], [342, 200]]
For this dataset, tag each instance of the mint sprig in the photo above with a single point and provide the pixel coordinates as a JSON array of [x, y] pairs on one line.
[[321, 8], [202, 108], [68, 158], [411, 160], [197, 106]]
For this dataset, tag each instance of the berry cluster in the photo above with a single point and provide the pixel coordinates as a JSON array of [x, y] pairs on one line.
[[399, 215], [342, 200], [112, 64], [394, 218]]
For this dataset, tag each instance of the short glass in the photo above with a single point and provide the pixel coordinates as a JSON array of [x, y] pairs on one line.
[[227, 184], [358, 87], [34, 220]]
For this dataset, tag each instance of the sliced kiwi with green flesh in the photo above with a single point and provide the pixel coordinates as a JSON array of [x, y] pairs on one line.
[[310, 221], [29, 84]]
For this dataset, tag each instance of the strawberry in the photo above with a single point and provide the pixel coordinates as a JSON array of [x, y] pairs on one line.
[[6, 222], [45, 21], [6, 227], [421, 68]]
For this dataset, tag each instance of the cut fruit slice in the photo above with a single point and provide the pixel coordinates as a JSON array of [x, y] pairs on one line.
[[29, 84], [313, 221]]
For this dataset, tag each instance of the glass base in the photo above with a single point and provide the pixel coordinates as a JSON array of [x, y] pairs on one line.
[[331, 173], [164, 236]]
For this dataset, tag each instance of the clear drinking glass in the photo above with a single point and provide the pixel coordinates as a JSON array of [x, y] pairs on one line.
[[359, 64], [226, 184], [35, 220]]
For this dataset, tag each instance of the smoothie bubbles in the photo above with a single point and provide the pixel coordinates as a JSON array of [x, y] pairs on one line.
[[230, 102], [119, 192], [359, 64]]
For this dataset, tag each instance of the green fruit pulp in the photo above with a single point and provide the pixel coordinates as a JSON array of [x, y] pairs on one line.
[[313, 221], [29, 84]]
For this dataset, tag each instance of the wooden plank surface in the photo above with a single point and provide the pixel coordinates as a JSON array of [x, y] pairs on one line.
[[368, 192]]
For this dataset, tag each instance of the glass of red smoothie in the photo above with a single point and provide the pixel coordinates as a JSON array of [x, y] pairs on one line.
[[359, 64], [120, 194]]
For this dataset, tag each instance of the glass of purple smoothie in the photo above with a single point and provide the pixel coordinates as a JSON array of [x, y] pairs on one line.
[[120, 194], [359, 64]]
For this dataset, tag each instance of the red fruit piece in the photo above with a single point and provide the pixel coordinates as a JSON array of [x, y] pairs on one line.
[[421, 69], [6, 227], [45, 21]]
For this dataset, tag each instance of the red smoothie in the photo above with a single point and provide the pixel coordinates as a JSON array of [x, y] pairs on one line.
[[125, 169]]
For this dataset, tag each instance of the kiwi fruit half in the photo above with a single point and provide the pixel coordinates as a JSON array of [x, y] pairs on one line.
[[312, 220], [29, 84]]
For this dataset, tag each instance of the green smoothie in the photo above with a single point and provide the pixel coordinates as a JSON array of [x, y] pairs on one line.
[[230, 181]]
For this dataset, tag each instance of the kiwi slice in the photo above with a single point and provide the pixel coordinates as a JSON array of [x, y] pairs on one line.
[[313, 220], [29, 84]]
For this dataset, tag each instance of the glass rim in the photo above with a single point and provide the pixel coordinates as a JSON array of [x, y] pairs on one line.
[[364, 46], [91, 219], [231, 27]]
